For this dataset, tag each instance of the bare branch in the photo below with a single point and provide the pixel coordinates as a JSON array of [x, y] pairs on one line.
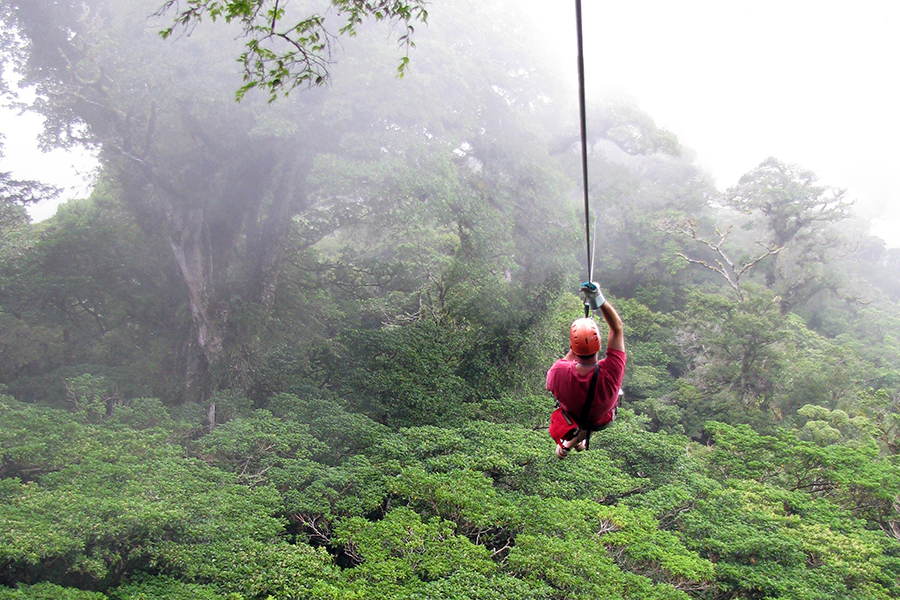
[[723, 265]]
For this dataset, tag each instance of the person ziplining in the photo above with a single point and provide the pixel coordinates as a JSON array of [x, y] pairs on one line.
[[586, 388]]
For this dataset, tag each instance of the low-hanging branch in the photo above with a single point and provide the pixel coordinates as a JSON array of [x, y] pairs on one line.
[[281, 59]]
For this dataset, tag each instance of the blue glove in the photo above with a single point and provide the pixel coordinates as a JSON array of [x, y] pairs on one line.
[[593, 297]]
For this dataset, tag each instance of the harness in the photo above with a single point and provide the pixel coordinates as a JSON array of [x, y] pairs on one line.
[[583, 422]]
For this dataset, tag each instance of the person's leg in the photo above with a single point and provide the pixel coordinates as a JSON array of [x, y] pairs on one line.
[[577, 442]]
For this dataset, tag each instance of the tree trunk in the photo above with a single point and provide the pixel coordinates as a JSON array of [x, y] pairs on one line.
[[211, 416], [270, 244], [190, 249]]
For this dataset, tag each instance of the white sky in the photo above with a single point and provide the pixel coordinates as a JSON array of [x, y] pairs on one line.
[[71, 171], [813, 83], [810, 82]]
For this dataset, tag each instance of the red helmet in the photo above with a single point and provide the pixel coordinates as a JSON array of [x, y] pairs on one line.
[[584, 337]]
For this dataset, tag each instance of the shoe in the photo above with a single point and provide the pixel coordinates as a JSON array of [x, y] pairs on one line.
[[561, 452], [581, 446]]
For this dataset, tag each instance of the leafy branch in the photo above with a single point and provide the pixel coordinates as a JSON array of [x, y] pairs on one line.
[[279, 59]]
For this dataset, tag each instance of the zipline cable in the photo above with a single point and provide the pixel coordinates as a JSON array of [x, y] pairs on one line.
[[584, 160], [593, 248]]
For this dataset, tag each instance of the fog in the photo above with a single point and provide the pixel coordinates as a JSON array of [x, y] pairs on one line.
[[806, 82]]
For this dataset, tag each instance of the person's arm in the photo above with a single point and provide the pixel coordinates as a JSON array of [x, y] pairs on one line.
[[595, 300], [616, 339]]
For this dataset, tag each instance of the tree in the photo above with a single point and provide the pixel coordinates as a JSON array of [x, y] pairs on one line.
[[440, 194], [793, 212], [218, 183], [720, 262], [14, 193], [735, 358], [86, 291], [637, 183], [787, 199]]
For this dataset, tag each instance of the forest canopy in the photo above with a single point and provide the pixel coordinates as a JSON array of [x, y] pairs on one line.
[[297, 348]]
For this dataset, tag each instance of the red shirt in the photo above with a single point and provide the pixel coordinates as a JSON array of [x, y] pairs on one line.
[[570, 387]]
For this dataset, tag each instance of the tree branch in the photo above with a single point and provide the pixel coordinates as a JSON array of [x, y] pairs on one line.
[[723, 265]]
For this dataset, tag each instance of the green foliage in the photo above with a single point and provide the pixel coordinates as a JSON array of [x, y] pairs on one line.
[[794, 216], [659, 458], [48, 591], [252, 446], [526, 409], [582, 568], [653, 358], [90, 396], [854, 477], [142, 413], [253, 568], [122, 500], [773, 541], [633, 130], [157, 587], [402, 550], [547, 339], [35, 441], [409, 374], [736, 359], [266, 63], [787, 198], [345, 433], [483, 510], [882, 410], [88, 297], [230, 404], [819, 371], [633, 197]]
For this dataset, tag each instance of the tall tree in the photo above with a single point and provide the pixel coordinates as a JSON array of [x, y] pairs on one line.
[[219, 182], [794, 212]]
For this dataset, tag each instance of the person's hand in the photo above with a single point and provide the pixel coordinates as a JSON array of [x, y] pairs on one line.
[[593, 297]]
